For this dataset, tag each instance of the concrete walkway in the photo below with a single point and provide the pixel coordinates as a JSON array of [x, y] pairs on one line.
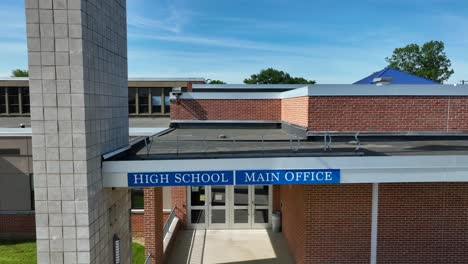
[[229, 246]]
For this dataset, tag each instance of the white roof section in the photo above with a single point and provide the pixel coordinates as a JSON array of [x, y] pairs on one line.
[[387, 90], [145, 79], [166, 79], [247, 86], [338, 90], [14, 79], [15, 132], [145, 131], [133, 131]]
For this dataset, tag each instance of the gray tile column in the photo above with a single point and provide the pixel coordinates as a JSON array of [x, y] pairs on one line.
[[77, 52]]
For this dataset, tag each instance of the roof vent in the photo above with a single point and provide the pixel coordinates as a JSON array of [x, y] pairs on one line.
[[382, 81]]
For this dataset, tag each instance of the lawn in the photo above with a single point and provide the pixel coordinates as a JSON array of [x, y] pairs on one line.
[[138, 251], [25, 253], [17, 252]]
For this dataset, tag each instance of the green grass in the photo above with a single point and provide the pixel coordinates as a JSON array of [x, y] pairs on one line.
[[138, 252], [17, 252], [25, 253]]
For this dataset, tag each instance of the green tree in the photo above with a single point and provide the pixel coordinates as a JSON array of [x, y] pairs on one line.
[[272, 76], [428, 61], [216, 82], [19, 73]]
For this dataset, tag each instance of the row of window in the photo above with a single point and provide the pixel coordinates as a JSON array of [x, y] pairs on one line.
[[148, 101], [14, 100], [141, 101]]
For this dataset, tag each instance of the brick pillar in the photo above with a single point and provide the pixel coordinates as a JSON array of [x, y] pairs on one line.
[[179, 200], [154, 224]]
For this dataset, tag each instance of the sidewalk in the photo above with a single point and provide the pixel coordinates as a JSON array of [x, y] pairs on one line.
[[229, 246]]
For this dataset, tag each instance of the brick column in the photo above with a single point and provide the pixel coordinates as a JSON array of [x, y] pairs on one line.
[[154, 224], [179, 200]]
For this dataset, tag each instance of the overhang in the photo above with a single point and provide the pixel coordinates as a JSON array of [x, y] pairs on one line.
[[353, 169]]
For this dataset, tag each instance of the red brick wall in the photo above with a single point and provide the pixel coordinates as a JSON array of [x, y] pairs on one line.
[[19, 226], [190, 85], [338, 223], [388, 113], [295, 110], [204, 109], [338, 113], [276, 197], [293, 219], [179, 200], [423, 223], [153, 224], [138, 226]]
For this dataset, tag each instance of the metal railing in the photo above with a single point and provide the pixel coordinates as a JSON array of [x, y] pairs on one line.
[[148, 259], [168, 223], [293, 143]]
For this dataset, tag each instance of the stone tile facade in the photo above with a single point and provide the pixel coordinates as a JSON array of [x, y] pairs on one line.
[[77, 53]]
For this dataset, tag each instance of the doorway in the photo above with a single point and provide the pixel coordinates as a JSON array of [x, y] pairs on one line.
[[229, 207]]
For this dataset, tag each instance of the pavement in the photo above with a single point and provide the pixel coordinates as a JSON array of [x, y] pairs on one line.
[[250, 246]]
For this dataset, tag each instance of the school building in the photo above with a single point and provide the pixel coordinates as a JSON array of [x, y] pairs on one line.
[[363, 173], [359, 173]]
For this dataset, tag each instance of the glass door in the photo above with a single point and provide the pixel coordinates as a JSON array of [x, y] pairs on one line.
[[197, 202], [240, 216], [261, 206], [217, 207]]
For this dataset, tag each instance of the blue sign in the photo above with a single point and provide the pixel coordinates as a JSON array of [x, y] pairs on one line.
[[242, 177], [180, 178], [324, 176]]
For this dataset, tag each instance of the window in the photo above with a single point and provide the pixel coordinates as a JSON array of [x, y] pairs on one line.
[[138, 200], [132, 100], [13, 100], [25, 100], [149, 100], [31, 186], [167, 100], [156, 100], [3, 101], [143, 100]]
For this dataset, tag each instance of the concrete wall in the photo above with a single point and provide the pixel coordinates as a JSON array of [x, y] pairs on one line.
[[16, 167], [77, 53]]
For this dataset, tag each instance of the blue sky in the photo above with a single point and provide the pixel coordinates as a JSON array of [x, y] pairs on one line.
[[329, 41]]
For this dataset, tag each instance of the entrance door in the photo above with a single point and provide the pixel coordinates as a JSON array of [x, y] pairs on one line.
[[217, 209], [208, 207], [236, 207], [197, 213], [251, 206], [240, 207]]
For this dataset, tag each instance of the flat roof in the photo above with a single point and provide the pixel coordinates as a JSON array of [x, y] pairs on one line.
[[133, 81], [132, 131], [212, 143], [247, 86], [167, 79], [149, 79]]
